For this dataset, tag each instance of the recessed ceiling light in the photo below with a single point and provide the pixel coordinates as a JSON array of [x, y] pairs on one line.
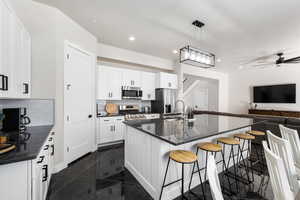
[[94, 21], [241, 67], [175, 51], [219, 60], [131, 38]]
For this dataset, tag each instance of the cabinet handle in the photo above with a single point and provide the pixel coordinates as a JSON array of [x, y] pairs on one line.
[[26, 88], [45, 178], [111, 128], [52, 146], [149, 96], [42, 159], [170, 84], [106, 120], [50, 139], [112, 94], [6, 83], [133, 82], [46, 147], [3, 82], [90, 116], [114, 128]]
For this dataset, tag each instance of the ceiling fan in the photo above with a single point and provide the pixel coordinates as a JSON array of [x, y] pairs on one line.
[[276, 59]]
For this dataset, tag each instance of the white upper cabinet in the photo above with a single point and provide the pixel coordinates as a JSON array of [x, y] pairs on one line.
[[166, 80], [131, 78], [109, 83], [15, 55], [148, 86]]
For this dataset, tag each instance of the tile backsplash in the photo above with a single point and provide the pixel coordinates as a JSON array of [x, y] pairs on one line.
[[40, 111]]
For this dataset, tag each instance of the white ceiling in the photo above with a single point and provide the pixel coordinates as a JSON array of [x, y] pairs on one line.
[[235, 30]]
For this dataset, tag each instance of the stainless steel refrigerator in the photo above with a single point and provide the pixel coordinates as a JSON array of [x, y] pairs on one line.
[[165, 101]]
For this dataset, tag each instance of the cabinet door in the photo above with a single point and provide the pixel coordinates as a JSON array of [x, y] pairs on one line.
[[5, 39], [25, 82], [114, 83], [167, 80], [131, 78], [119, 129], [15, 56], [102, 90], [106, 130], [148, 86], [51, 152], [18, 64], [109, 83]]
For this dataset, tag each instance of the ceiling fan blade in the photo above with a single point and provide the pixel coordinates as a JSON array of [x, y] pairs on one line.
[[292, 60], [261, 64]]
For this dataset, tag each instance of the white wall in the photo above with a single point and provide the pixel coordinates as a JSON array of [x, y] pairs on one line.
[[204, 94], [242, 81], [111, 52], [211, 74], [49, 28]]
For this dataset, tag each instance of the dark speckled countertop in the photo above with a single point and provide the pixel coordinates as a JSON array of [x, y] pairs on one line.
[[27, 148], [205, 125]]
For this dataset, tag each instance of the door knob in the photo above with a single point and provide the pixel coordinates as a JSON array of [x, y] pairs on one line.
[[90, 116]]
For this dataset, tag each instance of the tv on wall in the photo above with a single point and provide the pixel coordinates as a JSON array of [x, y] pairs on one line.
[[275, 94]]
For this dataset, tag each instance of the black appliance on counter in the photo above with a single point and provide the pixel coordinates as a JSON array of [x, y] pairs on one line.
[[15, 119], [132, 93]]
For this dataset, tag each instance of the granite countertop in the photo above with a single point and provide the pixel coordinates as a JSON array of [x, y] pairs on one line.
[[205, 125], [28, 147], [110, 115]]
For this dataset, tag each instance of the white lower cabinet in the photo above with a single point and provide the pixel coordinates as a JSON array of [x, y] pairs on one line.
[[43, 167], [31, 177], [110, 129]]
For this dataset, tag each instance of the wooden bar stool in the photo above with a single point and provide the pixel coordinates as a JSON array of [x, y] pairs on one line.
[[259, 154], [230, 142], [208, 147], [245, 138], [183, 157]]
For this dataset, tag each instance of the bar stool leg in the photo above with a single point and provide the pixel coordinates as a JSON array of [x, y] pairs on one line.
[[206, 159], [234, 167], [182, 181], [224, 167], [243, 160], [203, 192], [191, 179], [162, 187], [248, 156]]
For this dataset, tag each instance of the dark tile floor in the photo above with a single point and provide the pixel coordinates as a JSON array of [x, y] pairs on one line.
[[102, 176]]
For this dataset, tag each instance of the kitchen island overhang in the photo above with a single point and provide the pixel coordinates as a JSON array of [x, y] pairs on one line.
[[148, 143]]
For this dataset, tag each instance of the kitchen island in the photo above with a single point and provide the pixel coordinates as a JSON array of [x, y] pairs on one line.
[[148, 143]]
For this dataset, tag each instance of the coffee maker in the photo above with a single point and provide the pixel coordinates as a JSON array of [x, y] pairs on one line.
[[15, 119]]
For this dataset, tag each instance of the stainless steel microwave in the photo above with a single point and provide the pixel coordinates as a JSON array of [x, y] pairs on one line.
[[131, 92]]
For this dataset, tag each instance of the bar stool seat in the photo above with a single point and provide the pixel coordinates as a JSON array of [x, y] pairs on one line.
[[256, 133], [183, 156], [211, 147], [228, 140], [244, 136]]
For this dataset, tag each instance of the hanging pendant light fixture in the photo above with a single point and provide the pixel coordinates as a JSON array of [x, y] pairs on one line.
[[193, 56]]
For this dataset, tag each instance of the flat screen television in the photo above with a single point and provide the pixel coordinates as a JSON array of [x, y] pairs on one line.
[[275, 94]]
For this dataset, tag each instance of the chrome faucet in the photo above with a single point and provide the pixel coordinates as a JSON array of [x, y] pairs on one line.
[[183, 108]]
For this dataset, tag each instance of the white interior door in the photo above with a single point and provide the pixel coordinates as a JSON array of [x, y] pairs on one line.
[[78, 103]]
